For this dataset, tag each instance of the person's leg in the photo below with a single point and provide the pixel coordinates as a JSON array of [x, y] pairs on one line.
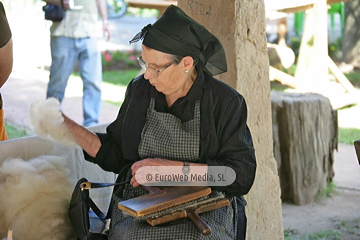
[[241, 225], [64, 57], [91, 75]]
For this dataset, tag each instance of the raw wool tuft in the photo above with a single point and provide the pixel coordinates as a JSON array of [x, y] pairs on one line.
[[47, 121], [35, 197]]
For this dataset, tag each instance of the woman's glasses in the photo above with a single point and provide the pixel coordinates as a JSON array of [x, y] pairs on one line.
[[153, 71]]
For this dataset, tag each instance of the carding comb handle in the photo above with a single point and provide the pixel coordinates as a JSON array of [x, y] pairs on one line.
[[199, 223]]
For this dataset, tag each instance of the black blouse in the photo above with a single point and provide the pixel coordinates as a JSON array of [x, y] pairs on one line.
[[225, 139]]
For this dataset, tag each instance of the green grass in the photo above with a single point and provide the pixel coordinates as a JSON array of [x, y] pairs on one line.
[[14, 131], [120, 78], [142, 12], [349, 135], [352, 227], [354, 78], [290, 232], [277, 86], [329, 191]]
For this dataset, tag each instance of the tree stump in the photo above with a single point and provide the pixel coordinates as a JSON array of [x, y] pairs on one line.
[[305, 131]]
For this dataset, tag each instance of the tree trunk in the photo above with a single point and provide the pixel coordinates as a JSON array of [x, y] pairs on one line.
[[351, 39], [305, 137]]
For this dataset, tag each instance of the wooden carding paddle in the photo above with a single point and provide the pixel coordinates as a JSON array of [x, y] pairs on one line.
[[162, 199], [192, 214]]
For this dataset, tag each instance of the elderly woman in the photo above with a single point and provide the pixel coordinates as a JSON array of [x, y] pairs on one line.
[[177, 113]]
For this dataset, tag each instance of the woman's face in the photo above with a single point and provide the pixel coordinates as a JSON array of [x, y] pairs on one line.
[[171, 80]]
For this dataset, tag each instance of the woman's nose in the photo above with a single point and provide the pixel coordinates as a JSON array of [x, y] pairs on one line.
[[147, 74]]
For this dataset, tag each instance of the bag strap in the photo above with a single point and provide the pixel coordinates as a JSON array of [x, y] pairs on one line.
[[97, 211], [90, 185]]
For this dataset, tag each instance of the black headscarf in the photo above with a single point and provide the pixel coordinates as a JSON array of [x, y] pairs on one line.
[[178, 34]]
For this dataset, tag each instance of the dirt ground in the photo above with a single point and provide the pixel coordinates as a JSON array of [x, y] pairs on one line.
[[340, 212]]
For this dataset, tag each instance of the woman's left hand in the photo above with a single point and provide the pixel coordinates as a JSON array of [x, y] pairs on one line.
[[151, 162]]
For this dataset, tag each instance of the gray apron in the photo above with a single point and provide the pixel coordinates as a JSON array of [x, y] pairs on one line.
[[165, 136]]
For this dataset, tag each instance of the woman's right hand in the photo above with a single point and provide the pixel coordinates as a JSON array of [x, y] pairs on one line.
[[151, 162]]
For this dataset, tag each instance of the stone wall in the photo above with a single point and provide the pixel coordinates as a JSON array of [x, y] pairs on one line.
[[240, 25]]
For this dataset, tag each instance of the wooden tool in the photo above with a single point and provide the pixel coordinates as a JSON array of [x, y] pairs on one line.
[[158, 199], [161, 206], [192, 214]]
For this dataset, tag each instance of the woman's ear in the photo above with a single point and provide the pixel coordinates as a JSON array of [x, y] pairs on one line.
[[188, 62]]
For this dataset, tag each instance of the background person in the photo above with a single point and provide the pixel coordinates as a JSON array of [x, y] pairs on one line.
[[6, 62], [75, 39]]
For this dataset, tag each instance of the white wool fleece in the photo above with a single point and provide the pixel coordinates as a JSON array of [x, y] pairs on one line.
[[35, 197], [47, 121]]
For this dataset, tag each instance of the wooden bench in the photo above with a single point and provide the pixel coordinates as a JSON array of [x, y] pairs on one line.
[[160, 5]]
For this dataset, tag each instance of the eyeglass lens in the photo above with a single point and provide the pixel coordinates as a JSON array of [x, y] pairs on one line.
[[144, 66]]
